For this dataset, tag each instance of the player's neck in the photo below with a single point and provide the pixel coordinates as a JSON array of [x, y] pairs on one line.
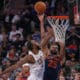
[[35, 51]]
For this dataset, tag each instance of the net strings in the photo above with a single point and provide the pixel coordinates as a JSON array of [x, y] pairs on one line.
[[59, 26]]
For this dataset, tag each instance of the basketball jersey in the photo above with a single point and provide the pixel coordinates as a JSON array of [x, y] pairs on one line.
[[52, 68], [37, 69]]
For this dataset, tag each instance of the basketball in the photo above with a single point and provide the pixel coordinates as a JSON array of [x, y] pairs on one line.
[[40, 7]]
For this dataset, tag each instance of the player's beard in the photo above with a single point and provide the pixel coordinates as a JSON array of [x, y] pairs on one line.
[[38, 48], [53, 52]]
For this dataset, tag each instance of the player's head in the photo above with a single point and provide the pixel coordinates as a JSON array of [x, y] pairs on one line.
[[18, 36], [26, 67], [61, 78], [54, 48], [31, 45]]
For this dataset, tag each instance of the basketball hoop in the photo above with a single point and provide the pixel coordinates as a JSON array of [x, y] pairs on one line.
[[59, 25]]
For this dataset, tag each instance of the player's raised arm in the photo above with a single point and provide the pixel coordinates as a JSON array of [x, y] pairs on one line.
[[44, 36], [26, 59], [62, 49], [62, 52], [42, 30]]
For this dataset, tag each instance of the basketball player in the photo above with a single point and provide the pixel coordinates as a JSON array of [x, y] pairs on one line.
[[53, 62], [55, 54], [35, 58]]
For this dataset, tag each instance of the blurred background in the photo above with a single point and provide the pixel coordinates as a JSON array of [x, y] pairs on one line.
[[18, 23]]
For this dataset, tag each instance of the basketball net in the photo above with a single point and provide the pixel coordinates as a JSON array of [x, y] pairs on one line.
[[59, 24]]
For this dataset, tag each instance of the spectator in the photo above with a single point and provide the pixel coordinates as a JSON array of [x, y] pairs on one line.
[[18, 43], [67, 70], [5, 63], [52, 4], [25, 23], [16, 18], [24, 51], [12, 55], [61, 76], [13, 32], [72, 34], [3, 34], [24, 73], [8, 63], [72, 50], [77, 76], [5, 44], [2, 54]]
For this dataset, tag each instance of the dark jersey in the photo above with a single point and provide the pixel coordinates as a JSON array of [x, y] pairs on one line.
[[52, 67]]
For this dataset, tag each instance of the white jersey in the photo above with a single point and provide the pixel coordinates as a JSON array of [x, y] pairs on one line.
[[37, 69]]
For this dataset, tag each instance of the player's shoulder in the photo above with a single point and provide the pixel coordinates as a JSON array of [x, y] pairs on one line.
[[30, 52], [40, 52]]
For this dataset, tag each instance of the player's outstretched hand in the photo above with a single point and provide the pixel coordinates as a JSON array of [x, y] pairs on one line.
[[41, 17]]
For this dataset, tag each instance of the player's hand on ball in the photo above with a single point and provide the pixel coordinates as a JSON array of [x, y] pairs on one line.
[[40, 7], [41, 17]]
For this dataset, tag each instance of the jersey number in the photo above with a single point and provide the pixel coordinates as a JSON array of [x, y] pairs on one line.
[[52, 64]]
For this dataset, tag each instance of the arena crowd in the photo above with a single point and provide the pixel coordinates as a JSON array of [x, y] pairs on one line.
[[17, 29]]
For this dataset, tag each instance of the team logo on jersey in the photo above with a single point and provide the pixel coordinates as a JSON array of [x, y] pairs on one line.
[[40, 61], [52, 64]]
